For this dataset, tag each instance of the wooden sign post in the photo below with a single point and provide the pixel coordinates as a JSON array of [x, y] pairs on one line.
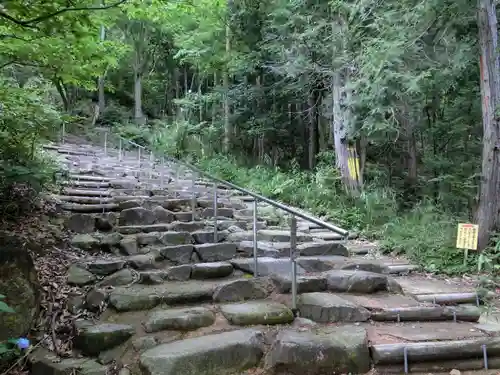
[[467, 236]]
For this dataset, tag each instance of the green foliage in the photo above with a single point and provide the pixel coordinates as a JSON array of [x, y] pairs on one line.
[[425, 234], [4, 308], [8, 350]]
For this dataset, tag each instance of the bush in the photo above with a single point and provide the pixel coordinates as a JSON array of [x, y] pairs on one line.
[[11, 349], [425, 234], [26, 119]]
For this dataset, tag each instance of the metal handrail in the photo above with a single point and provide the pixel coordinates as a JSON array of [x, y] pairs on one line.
[[281, 206], [257, 197]]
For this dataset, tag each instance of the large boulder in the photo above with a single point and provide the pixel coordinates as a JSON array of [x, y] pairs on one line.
[[19, 284], [328, 350]]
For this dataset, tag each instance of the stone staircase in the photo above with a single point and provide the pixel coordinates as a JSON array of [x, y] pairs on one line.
[[168, 268]]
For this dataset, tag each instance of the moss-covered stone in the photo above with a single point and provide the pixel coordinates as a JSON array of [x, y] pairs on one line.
[[44, 362], [19, 285], [343, 350], [94, 339], [257, 312]]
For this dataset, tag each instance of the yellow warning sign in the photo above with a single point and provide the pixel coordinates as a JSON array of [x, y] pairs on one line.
[[353, 164], [467, 236]]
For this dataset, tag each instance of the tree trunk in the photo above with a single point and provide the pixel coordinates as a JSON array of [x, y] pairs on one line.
[[138, 115], [488, 207], [340, 126], [227, 125], [313, 129]]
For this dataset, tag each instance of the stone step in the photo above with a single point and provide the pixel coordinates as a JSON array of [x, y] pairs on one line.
[[432, 347], [84, 200], [86, 184], [316, 301], [84, 177], [89, 208], [86, 192], [402, 268]]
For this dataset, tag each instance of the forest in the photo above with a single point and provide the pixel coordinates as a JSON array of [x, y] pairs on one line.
[[275, 96]]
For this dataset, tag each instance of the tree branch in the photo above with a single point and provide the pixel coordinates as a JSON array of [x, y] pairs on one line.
[[33, 21]]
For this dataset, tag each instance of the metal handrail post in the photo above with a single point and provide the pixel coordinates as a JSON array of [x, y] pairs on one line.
[[255, 248], [293, 261], [215, 214]]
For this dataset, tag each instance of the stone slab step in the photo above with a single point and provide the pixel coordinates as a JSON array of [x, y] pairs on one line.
[[282, 249], [87, 192], [84, 200], [432, 347], [86, 177], [86, 184], [228, 352], [397, 269], [421, 285], [90, 208]]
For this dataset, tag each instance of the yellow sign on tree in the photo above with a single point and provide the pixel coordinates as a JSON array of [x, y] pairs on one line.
[[353, 164], [467, 236]]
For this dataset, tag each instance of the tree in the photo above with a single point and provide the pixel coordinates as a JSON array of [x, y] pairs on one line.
[[489, 202]]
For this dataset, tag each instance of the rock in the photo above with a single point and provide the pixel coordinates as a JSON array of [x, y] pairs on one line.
[[330, 308], [241, 290], [144, 261], [179, 273], [303, 323], [44, 362], [105, 267], [19, 285], [75, 303], [85, 242], [281, 236], [106, 222], [221, 212], [79, 276], [176, 238], [257, 312], [228, 352], [212, 270], [183, 319], [329, 350], [357, 282], [144, 343], [129, 245], [177, 254], [111, 240], [208, 236], [322, 248], [176, 204], [264, 249], [137, 216], [124, 371], [96, 299], [153, 277], [163, 215], [455, 372], [142, 297], [305, 283], [329, 262], [94, 339], [81, 223], [216, 252], [226, 224], [191, 226], [121, 277], [184, 216], [128, 204], [266, 266]]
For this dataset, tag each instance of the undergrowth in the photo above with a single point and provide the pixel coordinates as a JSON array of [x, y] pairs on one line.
[[425, 233]]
